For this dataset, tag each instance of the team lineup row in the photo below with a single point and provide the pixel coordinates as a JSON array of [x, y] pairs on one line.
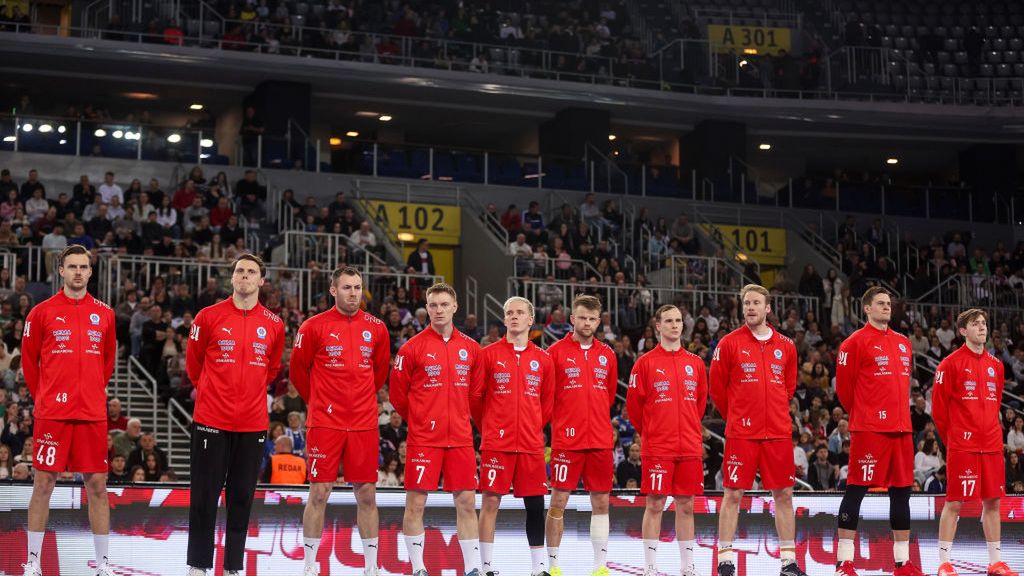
[[443, 383]]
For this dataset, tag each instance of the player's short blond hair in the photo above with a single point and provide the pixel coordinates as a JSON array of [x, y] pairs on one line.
[[442, 288], [753, 288], [592, 303], [529, 305]]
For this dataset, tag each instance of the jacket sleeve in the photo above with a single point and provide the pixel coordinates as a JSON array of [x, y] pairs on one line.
[[398, 384], [791, 371], [944, 380], [636, 396], [303, 350], [702, 389], [612, 379], [195, 350], [275, 353], [846, 373], [31, 348], [110, 354], [381, 357], [478, 389], [547, 391], [719, 377]]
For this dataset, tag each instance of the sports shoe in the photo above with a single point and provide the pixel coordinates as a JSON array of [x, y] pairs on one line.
[[691, 570], [491, 573], [1001, 569], [104, 570], [31, 569], [313, 570], [846, 569], [792, 569], [232, 573], [196, 571], [946, 569], [908, 569], [420, 573], [555, 571], [602, 571], [650, 571], [726, 569], [473, 572], [541, 573]]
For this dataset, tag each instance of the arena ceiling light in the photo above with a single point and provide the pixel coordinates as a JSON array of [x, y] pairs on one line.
[[406, 236], [764, 146], [352, 134], [612, 137], [100, 133], [27, 127], [63, 142], [118, 134], [45, 128], [62, 129], [10, 138], [892, 161], [196, 107], [174, 138], [385, 118], [367, 114], [335, 141], [206, 143]]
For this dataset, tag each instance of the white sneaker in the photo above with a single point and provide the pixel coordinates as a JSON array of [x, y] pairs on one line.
[[313, 570], [105, 570], [31, 569], [232, 573], [691, 571], [650, 571], [369, 572], [196, 571]]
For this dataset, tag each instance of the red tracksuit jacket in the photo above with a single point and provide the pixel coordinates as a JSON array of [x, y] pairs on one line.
[[752, 383], [668, 393], [429, 387], [231, 357], [512, 397], [966, 401], [338, 364], [68, 351], [873, 380], [585, 386]]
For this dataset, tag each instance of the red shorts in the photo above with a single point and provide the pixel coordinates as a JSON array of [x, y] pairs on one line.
[[425, 465], [327, 447], [525, 473], [75, 445], [884, 459], [745, 457], [672, 476], [973, 476], [597, 467]]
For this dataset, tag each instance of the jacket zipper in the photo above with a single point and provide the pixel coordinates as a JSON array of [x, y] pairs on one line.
[[678, 399], [448, 393], [588, 381], [520, 390], [764, 384]]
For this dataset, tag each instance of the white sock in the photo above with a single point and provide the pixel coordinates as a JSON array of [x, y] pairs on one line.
[[845, 551], [370, 554], [686, 553], [101, 543], [651, 554], [725, 553], [993, 552], [487, 555], [310, 547], [414, 544], [35, 547], [901, 552], [944, 549], [787, 552], [552, 556], [599, 526], [540, 560], [470, 554]]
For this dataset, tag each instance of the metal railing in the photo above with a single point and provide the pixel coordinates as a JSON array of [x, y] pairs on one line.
[[709, 272], [329, 250], [561, 269], [179, 425]]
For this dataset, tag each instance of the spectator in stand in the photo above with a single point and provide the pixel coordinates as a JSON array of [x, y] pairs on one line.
[[390, 473], [629, 469], [296, 430], [1015, 437], [220, 214], [936, 482], [118, 473], [927, 460], [194, 214], [919, 416], [109, 190], [184, 196], [147, 447], [53, 244], [211, 295], [36, 206], [799, 457], [471, 328], [364, 238], [558, 326], [285, 467], [116, 420], [421, 261], [684, 233], [512, 220], [127, 440], [945, 334], [6, 183], [167, 217], [393, 433], [139, 318], [173, 34], [534, 217], [822, 474], [29, 186], [251, 130]]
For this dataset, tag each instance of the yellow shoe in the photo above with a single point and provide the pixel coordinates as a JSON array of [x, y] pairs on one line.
[[603, 571], [555, 571]]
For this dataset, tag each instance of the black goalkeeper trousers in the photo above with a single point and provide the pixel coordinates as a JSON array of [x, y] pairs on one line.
[[228, 461]]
